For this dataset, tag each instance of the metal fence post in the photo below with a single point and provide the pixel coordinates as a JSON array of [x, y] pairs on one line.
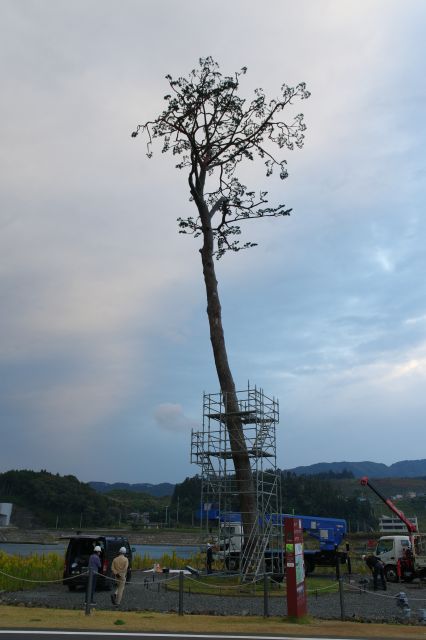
[[348, 558], [265, 595], [341, 596], [181, 593], [89, 591]]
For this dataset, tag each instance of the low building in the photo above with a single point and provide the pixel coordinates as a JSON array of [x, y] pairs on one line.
[[141, 518], [5, 513], [387, 524]]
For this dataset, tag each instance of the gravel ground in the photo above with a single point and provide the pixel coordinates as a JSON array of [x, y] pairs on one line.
[[149, 593]]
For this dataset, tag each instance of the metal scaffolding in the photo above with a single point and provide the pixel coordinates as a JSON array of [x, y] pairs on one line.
[[211, 451]]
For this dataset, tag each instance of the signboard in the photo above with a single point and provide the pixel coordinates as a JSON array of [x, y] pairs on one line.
[[295, 568]]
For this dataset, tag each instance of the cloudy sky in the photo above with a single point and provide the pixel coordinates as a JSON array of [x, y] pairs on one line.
[[104, 350]]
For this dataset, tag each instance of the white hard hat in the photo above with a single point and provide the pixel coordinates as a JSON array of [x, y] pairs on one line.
[[363, 556], [97, 548], [122, 550]]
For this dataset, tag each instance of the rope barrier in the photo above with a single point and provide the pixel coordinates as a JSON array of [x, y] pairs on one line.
[[330, 586], [137, 582], [84, 573], [240, 587], [8, 575], [215, 586], [172, 579], [350, 587], [276, 581]]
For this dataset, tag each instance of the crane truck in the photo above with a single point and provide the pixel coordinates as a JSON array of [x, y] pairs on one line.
[[328, 532], [404, 556]]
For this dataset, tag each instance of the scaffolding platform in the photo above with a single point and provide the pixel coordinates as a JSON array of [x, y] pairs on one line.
[[258, 415]]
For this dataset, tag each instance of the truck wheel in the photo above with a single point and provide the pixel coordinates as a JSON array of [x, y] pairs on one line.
[[391, 573]]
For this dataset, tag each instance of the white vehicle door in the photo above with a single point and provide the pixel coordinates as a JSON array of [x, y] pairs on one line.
[[385, 550]]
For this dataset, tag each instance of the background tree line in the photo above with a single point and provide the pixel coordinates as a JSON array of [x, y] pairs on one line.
[[64, 501], [318, 495], [56, 500], [44, 499]]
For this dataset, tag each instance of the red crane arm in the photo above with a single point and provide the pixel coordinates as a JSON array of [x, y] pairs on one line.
[[410, 526]]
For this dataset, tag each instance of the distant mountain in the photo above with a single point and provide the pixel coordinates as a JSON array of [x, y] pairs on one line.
[[402, 469], [157, 490]]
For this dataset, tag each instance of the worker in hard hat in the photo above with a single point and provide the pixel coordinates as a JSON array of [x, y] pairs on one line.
[[119, 567], [95, 565]]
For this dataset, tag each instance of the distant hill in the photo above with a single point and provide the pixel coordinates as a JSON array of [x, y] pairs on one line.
[[157, 490], [41, 498], [402, 469]]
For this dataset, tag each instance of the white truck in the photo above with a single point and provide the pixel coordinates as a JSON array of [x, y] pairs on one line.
[[404, 556], [395, 553]]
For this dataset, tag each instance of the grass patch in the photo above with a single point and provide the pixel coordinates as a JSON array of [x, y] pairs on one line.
[[302, 620], [226, 585], [23, 618]]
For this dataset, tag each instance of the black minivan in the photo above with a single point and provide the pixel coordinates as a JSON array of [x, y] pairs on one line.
[[80, 547]]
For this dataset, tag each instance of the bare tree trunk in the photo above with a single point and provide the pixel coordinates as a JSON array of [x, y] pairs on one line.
[[234, 425]]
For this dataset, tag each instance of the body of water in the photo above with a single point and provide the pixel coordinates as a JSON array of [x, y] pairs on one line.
[[154, 551]]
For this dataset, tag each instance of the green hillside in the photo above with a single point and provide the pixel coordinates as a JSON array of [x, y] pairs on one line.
[[64, 501], [390, 488], [56, 500], [133, 505]]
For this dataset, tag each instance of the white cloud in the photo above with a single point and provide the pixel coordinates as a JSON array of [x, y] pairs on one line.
[[383, 259], [171, 417], [416, 320]]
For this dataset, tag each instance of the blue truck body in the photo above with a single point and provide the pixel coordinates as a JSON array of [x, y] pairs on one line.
[[329, 533]]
